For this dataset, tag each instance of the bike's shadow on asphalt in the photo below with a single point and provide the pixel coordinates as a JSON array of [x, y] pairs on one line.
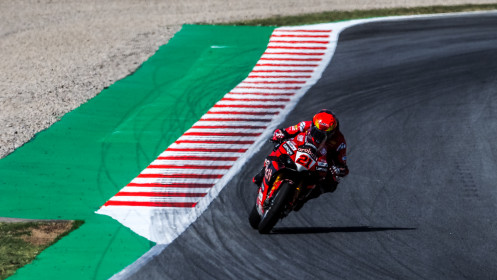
[[311, 230]]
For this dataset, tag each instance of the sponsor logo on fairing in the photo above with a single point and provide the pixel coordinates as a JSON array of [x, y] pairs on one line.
[[291, 145], [307, 151], [268, 173], [288, 150]]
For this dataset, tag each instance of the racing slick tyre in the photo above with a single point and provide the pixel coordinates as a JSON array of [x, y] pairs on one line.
[[273, 213], [254, 218]]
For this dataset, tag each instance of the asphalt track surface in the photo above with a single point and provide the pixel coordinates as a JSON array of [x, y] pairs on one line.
[[417, 102]]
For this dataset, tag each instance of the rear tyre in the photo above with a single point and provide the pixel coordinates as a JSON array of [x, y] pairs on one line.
[[273, 213], [254, 218]]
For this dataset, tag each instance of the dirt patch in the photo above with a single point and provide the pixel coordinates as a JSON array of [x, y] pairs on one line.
[[21, 242], [47, 233]]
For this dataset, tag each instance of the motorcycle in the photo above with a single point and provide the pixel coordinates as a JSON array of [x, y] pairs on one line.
[[292, 171]]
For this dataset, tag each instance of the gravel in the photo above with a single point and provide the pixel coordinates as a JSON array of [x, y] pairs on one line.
[[58, 54]]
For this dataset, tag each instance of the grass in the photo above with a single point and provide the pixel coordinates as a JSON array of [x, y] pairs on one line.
[[333, 16], [21, 242]]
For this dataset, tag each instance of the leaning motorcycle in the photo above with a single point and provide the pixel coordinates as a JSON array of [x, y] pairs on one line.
[[291, 173]]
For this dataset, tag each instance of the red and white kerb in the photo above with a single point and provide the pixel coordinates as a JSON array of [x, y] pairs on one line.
[[166, 197]]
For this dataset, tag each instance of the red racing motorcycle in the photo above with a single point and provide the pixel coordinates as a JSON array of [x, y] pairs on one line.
[[292, 171]]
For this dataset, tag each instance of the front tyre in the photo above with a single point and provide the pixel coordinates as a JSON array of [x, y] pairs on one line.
[[254, 218], [273, 213]]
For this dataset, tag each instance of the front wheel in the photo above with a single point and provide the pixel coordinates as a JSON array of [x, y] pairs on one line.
[[254, 218], [273, 213]]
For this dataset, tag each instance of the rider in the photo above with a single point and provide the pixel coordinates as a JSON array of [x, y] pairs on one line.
[[324, 131]]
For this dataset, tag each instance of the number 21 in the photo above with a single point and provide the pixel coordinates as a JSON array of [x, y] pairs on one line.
[[304, 160]]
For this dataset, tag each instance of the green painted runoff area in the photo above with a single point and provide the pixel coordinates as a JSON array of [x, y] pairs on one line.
[[72, 168]]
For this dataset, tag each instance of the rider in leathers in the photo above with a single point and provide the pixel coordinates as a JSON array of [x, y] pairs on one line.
[[324, 131]]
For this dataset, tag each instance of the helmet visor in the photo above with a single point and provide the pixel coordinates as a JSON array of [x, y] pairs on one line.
[[317, 135]]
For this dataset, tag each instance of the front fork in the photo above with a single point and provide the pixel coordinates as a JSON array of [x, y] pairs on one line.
[[266, 194], [266, 191], [273, 177]]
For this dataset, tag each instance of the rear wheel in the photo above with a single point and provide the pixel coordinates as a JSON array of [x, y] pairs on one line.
[[273, 213]]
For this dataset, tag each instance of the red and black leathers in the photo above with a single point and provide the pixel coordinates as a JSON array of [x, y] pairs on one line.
[[335, 147], [331, 148]]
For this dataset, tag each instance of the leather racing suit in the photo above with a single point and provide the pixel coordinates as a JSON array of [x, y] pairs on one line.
[[334, 150]]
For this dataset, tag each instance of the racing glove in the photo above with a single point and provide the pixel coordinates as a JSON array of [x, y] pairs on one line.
[[338, 172], [278, 136]]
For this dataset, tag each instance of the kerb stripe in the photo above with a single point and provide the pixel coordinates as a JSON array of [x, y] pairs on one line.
[[180, 183]]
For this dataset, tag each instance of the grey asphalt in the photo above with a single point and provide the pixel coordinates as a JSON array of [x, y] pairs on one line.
[[417, 102]]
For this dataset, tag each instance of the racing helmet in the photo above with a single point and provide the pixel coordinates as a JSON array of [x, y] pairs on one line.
[[324, 125]]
